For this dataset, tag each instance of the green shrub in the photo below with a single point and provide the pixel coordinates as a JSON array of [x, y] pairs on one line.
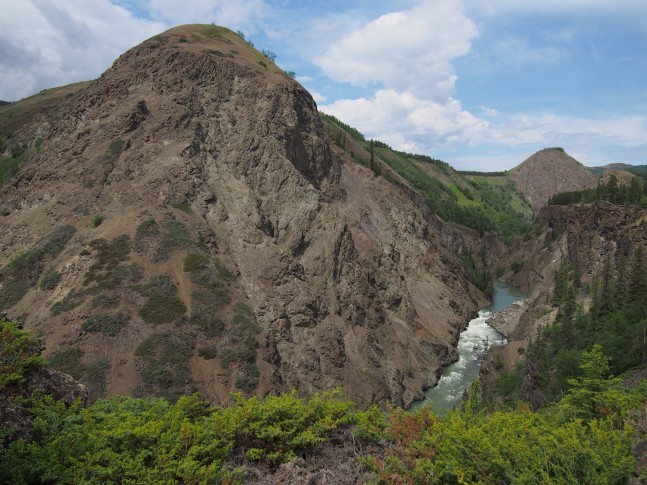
[[210, 324], [195, 262], [159, 240], [19, 356], [12, 292], [105, 301], [108, 270], [157, 286], [184, 206], [23, 270], [165, 370], [208, 352], [98, 219], [72, 300], [50, 279], [95, 378], [68, 361], [106, 323], [161, 309]]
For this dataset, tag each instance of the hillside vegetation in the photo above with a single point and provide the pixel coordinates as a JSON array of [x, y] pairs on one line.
[[478, 201], [585, 438]]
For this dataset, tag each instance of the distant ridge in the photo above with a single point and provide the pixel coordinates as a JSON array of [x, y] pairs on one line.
[[640, 170], [548, 172]]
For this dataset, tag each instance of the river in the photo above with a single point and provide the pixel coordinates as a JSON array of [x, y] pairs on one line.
[[473, 344]]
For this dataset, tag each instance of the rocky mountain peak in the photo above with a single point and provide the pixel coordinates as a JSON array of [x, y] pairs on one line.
[[548, 172]]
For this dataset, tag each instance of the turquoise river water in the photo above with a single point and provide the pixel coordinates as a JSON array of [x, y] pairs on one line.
[[473, 344]]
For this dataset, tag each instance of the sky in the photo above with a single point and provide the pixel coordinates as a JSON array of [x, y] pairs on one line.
[[480, 84]]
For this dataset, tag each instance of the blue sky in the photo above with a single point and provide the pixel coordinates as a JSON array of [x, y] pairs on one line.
[[481, 84]]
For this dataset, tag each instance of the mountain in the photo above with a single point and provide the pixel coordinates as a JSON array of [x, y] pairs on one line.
[[185, 223], [640, 170], [548, 172]]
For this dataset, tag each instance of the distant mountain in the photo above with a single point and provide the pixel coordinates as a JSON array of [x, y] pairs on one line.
[[548, 172], [4, 103], [640, 170]]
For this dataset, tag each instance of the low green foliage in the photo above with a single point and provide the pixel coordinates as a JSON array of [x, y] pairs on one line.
[[109, 270], [157, 285], [242, 345], [208, 352], [184, 206], [72, 300], [103, 300], [50, 279], [128, 440], [24, 269], [106, 323], [95, 377], [98, 219], [10, 165], [161, 309], [195, 262], [19, 356], [68, 361], [159, 240], [165, 371]]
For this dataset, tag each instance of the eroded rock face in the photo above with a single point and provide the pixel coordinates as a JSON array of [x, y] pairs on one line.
[[350, 282]]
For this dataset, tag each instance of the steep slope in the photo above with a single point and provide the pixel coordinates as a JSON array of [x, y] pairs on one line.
[[189, 205], [548, 172]]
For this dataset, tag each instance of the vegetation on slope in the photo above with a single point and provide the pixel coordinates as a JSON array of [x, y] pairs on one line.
[[584, 438], [613, 321], [634, 193], [479, 201]]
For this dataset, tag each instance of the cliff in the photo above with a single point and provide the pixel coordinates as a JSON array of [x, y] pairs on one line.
[[185, 223]]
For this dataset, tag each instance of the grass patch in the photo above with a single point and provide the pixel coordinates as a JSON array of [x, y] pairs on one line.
[[161, 309], [165, 371], [210, 324], [24, 269], [69, 362], [242, 347], [184, 206], [214, 52], [158, 285], [50, 279], [108, 270], [208, 352], [9, 166], [96, 374], [106, 323], [113, 152], [98, 219], [105, 301], [12, 292], [195, 262], [160, 240], [72, 300]]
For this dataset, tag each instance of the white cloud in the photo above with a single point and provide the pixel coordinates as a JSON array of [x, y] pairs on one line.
[[408, 122], [408, 51], [234, 15], [550, 129], [57, 42], [407, 56]]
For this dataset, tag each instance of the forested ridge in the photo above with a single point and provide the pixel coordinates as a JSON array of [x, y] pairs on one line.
[[585, 437]]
